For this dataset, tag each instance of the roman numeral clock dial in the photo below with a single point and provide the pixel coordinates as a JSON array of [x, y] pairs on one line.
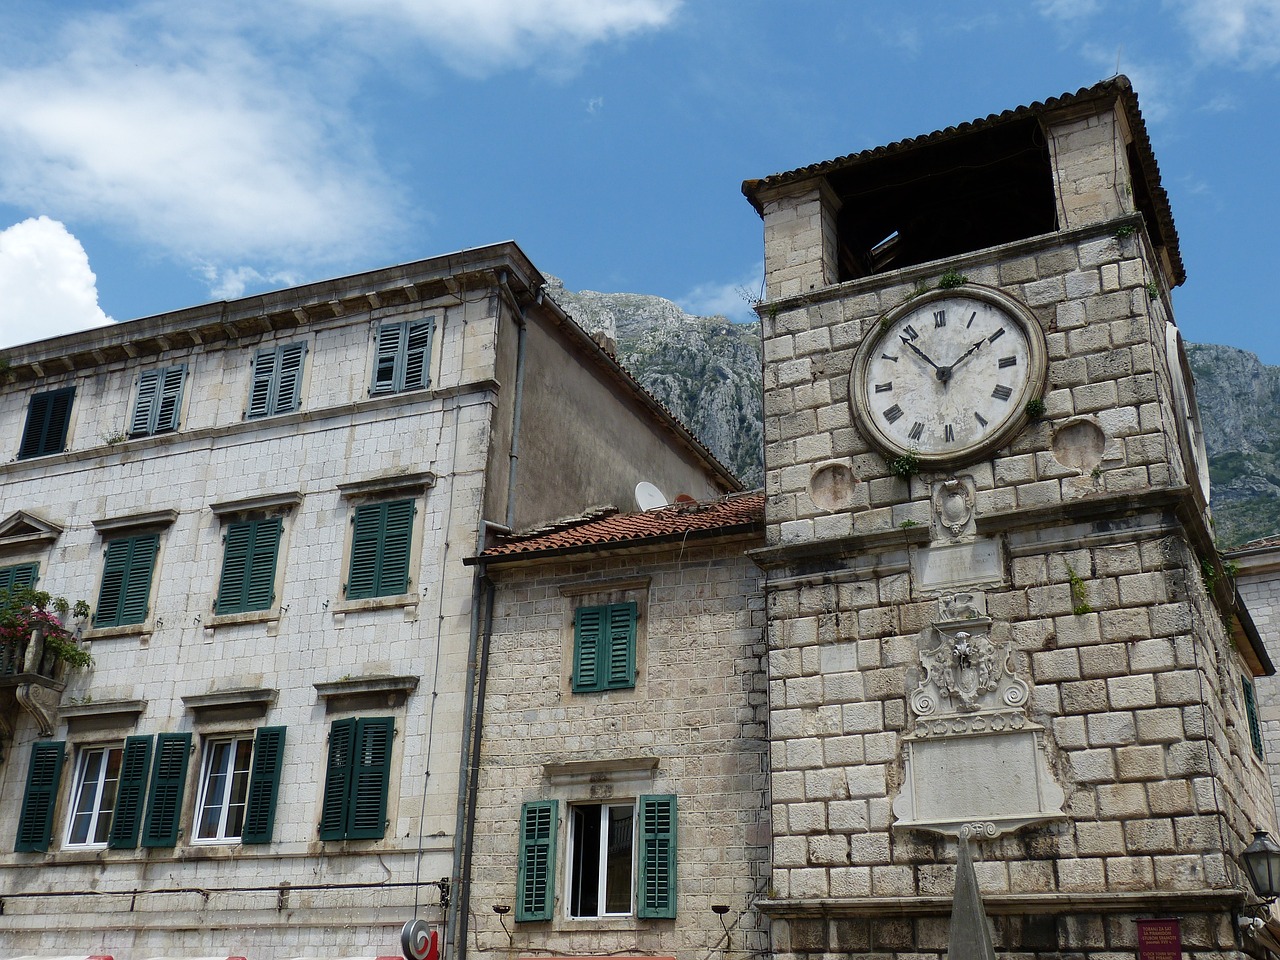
[[947, 376]]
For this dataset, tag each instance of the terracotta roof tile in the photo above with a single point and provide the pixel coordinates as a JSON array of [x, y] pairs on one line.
[[738, 511]]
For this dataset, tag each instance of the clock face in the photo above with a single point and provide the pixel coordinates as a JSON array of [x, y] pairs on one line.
[[948, 375]]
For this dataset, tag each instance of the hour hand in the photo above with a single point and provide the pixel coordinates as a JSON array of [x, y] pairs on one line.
[[916, 350], [976, 345]]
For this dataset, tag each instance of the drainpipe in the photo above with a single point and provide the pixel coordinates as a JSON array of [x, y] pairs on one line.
[[469, 778]]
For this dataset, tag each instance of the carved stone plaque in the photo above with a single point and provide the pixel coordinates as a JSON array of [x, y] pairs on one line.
[[974, 760]]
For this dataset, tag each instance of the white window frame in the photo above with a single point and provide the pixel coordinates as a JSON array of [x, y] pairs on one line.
[[99, 816], [225, 804], [571, 870]]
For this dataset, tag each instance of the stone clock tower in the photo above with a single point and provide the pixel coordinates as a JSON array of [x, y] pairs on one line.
[[995, 606]]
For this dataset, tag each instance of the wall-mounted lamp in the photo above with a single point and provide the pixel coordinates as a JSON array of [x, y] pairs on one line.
[[1261, 861], [502, 909], [720, 909]]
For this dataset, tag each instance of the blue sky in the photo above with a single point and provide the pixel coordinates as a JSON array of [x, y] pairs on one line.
[[156, 155]]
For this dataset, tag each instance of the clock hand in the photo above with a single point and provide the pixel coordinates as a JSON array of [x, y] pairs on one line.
[[963, 356], [917, 351]]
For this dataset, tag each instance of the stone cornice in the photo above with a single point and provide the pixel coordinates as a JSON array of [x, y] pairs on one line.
[[1120, 901], [447, 278]]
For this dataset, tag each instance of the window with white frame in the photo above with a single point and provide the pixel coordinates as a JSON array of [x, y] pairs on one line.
[[224, 789], [621, 859], [93, 798], [239, 781], [601, 854]]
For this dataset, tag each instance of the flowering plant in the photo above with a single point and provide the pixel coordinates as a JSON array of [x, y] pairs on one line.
[[24, 610]]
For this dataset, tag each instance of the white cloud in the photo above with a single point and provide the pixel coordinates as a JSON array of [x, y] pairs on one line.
[[46, 286], [1068, 9], [230, 283], [483, 36], [1243, 33], [733, 299], [210, 155]]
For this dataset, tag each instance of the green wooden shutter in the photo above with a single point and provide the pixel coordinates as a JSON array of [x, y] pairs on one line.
[[288, 392], [264, 378], [137, 590], [397, 539], [144, 407], [135, 764], [1251, 714], [387, 361], [235, 568], [371, 773], [417, 355], [621, 646], [48, 416], [657, 882], [264, 785], [21, 576], [588, 631], [337, 780], [35, 823], [249, 566], [170, 404], [37, 420], [368, 525], [126, 581], [168, 780], [260, 586], [114, 569], [536, 873]]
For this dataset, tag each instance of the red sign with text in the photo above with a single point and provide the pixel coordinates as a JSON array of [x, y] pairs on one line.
[[1159, 940]]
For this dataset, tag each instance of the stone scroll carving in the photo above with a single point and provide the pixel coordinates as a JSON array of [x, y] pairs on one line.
[[964, 669], [974, 760]]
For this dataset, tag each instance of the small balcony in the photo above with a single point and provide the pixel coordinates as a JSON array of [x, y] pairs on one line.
[[32, 679]]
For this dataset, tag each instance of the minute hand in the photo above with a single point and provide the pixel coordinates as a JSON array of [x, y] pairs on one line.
[[918, 352]]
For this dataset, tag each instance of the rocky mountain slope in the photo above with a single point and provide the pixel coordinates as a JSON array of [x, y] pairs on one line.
[[707, 371], [1239, 400]]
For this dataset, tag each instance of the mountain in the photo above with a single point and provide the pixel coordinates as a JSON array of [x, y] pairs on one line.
[[1239, 399], [705, 369]]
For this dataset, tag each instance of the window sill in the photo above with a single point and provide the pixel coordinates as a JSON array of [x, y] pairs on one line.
[[409, 601], [251, 616], [141, 630]]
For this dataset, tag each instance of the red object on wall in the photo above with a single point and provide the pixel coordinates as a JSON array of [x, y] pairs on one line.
[[1159, 940]]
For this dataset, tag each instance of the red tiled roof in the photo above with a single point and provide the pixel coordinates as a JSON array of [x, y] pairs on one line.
[[736, 512]]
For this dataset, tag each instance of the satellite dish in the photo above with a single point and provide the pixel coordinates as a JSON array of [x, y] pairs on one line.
[[649, 497]]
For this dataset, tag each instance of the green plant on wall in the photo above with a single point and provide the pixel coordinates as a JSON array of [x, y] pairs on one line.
[[1079, 597], [952, 278], [905, 466]]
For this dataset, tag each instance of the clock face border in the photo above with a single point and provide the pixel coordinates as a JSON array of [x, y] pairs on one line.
[[1030, 388]]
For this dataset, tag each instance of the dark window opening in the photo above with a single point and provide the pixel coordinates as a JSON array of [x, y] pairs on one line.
[[939, 200]]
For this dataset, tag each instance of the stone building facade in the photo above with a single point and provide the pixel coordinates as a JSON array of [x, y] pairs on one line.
[[267, 503], [1003, 623], [1258, 577], [679, 727]]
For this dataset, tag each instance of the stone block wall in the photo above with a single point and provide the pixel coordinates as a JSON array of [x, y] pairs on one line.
[[1259, 585], [697, 711], [1105, 339], [297, 895], [1090, 174]]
